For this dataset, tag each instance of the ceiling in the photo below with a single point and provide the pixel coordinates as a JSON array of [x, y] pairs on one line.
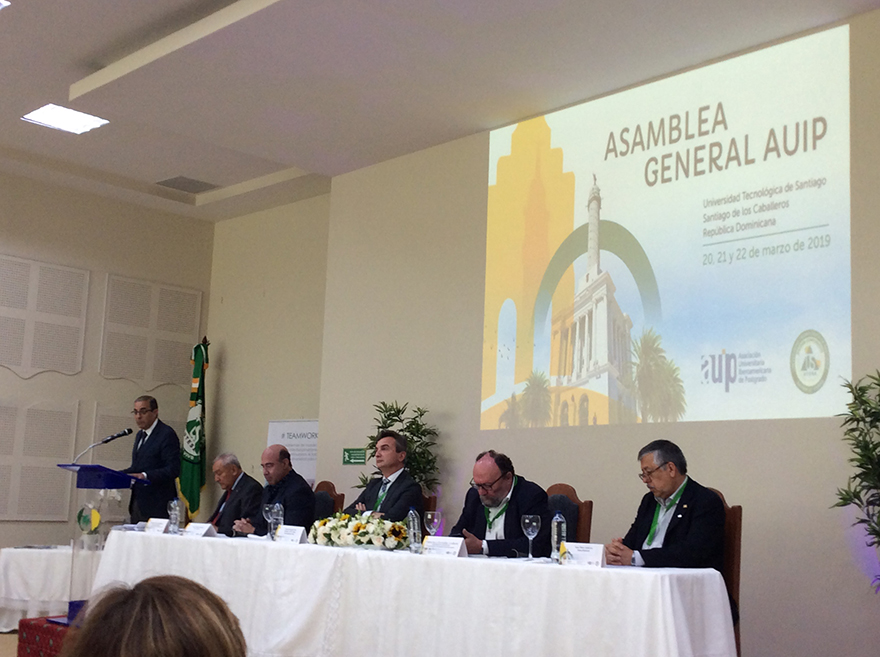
[[266, 100]]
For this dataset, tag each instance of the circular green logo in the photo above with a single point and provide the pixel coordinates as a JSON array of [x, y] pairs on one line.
[[810, 361]]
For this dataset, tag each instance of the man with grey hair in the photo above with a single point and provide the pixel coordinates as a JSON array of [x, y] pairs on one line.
[[241, 493], [679, 524]]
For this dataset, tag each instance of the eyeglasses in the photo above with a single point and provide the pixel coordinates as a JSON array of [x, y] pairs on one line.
[[647, 474], [142, 411], [486, 487]]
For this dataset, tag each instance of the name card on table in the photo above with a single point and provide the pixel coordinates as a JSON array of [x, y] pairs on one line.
[[584, 554], [200, 529], [291, 534], [156, 526], [444, 546]]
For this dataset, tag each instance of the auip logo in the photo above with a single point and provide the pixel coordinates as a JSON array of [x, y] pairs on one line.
[[719, 368], [810, 361]]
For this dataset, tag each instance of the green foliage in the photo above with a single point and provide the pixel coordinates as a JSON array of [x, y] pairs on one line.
[[420, 459], [862, 424]]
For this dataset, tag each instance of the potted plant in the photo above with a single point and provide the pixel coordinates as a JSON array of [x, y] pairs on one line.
[[862, 424], [420, 459]]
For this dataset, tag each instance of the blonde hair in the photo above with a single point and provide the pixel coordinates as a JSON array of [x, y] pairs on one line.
[[165, 616]]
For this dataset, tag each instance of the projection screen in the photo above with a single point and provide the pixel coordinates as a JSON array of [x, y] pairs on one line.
[[679, 251]]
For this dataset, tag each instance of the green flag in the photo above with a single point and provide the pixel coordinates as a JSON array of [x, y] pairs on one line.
[[192, 456]]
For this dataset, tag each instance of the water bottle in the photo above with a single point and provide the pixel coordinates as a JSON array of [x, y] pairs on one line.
[[174, 517], [557, 534], [414, 530]]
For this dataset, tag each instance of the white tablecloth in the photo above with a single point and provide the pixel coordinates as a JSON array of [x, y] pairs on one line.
[[35, 582], [305, 600]]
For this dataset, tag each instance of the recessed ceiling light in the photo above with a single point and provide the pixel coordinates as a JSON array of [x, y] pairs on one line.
[[62, 118], [4, 3]]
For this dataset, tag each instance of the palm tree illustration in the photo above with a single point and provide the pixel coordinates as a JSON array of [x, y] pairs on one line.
[[659, 388], [536, 400], [511, 418]]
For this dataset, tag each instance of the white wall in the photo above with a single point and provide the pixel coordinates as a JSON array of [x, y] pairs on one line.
[[53, 224], [266, 324]]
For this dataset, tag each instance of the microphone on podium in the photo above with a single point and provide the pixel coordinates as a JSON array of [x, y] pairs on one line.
[[118, 434]]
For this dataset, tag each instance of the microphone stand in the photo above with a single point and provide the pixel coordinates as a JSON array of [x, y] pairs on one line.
[[100, 442]]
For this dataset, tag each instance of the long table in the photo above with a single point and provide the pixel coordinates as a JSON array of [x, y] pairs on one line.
[[311, 601], [36, 582]]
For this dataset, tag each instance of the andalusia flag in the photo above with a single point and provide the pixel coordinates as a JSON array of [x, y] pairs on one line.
[[192, 456]]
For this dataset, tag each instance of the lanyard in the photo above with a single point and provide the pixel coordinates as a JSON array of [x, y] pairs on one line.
[[491, 521], [382, 495], [672, 502]]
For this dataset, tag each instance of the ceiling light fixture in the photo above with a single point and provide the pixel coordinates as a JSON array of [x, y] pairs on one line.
[[62, 118], [4, 3]]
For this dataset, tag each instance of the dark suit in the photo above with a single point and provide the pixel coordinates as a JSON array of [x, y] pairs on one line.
[[297, 497], [527, 499], [695, 536], [402, 494], [243, 501], [159, 459]]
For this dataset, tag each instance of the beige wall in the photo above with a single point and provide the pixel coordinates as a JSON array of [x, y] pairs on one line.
[[267, 301], [403, 318], [53, 224]]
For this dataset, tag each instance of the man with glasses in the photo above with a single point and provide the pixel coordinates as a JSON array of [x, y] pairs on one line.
[[155, 457], [679, 524], [490, 521]]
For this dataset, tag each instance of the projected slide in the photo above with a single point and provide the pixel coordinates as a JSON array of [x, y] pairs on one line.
[[679, 251]]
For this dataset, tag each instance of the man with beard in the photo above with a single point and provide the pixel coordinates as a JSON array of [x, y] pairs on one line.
[[490, 521]]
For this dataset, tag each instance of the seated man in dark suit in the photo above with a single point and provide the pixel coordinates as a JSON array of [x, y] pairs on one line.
[[679, 524], [155, 456], [284, 485], [392, 494], [241, 493], [490, 522]]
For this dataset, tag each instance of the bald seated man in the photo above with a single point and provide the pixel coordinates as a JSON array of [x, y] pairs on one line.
[[490, 521], [284, 485]]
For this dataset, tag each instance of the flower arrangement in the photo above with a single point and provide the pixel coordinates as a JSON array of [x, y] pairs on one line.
[[358, 530]]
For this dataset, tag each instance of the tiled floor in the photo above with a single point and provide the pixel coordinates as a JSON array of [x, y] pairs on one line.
[[8, 644]]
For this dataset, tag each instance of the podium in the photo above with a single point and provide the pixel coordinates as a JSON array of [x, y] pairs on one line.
[[98, 480]]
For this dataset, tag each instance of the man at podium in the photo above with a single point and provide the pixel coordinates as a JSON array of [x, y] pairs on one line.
[[155, 457]]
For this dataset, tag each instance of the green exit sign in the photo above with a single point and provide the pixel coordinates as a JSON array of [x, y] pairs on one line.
[[354, 456]]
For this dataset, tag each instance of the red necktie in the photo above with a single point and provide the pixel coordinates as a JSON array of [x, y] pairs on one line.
[[213, 519]]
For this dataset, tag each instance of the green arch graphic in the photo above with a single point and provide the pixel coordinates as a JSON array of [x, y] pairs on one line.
[[615, 239]]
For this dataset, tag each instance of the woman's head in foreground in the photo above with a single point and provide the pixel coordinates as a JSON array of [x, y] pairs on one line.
[[165, 616]]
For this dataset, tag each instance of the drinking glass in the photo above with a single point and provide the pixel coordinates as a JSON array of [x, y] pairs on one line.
[[432, 521], [530, 526], [268, 516]]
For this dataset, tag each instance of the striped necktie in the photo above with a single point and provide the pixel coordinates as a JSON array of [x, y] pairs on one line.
[[382, 491]]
